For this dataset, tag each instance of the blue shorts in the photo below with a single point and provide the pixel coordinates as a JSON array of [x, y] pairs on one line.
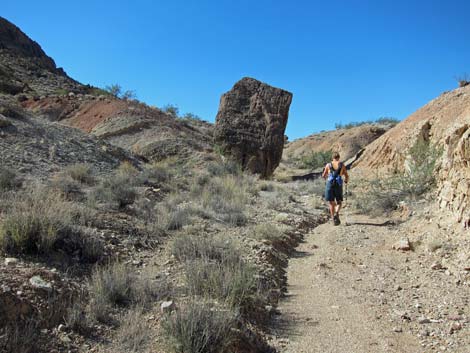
[[334, 192]]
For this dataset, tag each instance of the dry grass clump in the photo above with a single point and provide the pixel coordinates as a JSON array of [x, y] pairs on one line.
[[116, 285], [117, 191], [190, 247], [8, 179], [133, 334], [68, 187], [267, 232], [19, 337], [81, 173], [311, 187], [200, 327], [225, 198], [41, 222]]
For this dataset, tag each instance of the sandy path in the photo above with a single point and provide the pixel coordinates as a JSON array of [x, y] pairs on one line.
[[334, 299]]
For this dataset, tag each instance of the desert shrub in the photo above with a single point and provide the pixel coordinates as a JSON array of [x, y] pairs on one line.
[[268, 232], [311, 187], [41, 222], [463, 80], [81, 173], [199, 327], [382, 120], [383, 194], [155, 174], [226, 199], [117, 190], [133, 334], [266, 186], [78, 317], [116, 285], [230, 280], [19, 337], [67, 186], [224, 168], [171, 110], [4, 123], [316, 160], [8, 179], [188, 247]]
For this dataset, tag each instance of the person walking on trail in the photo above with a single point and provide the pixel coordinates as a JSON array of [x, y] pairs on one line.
[[334, 173]]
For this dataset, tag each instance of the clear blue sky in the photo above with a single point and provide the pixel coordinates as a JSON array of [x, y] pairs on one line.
[[343, 60]]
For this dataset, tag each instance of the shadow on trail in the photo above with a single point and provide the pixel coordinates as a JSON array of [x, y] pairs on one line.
[[300, 254], [383, 224]]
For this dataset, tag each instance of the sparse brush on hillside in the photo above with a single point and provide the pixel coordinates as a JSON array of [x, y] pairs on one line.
[[116, 190], [383, 194], [39, 221], [81, 173], [200, 327], [225, 198], [116, 91], [116, 285], [134, 333], [383, 120], [267, 232], [315, 160]]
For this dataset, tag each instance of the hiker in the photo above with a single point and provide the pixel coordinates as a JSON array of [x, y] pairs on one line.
[[334, 173]]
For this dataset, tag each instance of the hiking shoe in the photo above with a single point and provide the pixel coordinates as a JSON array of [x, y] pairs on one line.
[[336, 220]]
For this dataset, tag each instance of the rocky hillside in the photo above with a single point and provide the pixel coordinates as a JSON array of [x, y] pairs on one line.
[[346, 141], [26, 70], [144, 130], [444, 121], [29, 76]]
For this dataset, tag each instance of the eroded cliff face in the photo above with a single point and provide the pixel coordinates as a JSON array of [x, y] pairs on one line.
[[445, 121]]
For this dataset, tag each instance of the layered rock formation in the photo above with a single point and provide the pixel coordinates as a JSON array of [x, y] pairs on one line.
[[444, 121], [250, 124]]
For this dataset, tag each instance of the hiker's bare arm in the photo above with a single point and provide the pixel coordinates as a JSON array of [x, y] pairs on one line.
[[326, 171], [344, 172]]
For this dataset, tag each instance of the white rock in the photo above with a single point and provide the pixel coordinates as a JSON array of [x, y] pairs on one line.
[[402, 244], [38, 282], [11, 261], [167, 306]]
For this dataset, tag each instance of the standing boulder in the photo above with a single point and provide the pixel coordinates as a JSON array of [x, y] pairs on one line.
[[250, 125]]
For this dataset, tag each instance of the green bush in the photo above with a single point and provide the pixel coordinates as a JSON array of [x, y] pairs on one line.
[[200, 328], [316, 160], [383, 194]]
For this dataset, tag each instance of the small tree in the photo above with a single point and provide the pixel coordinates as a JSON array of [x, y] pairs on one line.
[[129, 94], [115, 90], [172, 110], [463, 80]]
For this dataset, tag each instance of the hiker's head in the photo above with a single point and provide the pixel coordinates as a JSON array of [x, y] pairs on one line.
[[336, 156]]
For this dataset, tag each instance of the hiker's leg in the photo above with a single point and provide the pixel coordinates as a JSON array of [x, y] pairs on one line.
[[332, 209], [338, 206]]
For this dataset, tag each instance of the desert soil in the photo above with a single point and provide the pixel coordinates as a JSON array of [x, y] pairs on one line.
[[350, 291]]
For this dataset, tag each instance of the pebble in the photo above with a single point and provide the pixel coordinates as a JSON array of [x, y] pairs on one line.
[[397, 329], [402, 244]]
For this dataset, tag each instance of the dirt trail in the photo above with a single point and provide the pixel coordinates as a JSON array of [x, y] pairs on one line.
[[337, 293]]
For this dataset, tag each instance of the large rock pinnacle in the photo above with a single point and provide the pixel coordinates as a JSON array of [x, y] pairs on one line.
[[250, 124]]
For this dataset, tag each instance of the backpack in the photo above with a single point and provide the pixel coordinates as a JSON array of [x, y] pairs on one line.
[[334, 178]]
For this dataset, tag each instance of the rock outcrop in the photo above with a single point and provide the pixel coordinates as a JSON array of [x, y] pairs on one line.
[[14, 40], [444, 121], [347, 142], [250, 125]]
